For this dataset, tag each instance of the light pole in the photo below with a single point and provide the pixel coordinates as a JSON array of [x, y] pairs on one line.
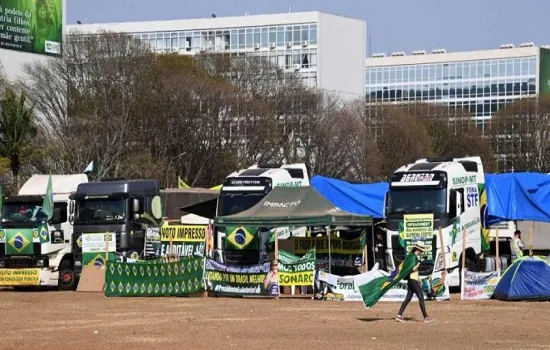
[[170, 163]]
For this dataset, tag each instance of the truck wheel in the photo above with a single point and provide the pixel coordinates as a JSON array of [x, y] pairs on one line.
[[66, 276]]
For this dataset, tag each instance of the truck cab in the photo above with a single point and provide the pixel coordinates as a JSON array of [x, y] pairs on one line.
[[35, 251], [431, 194], [118, 216], [242, 190]]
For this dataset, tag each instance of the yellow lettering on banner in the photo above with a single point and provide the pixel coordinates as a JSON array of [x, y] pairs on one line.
[[296, 279], [302, 245], [19, 277], [183, 233]]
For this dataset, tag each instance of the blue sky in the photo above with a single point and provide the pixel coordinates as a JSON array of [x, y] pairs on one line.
[[394, 25]]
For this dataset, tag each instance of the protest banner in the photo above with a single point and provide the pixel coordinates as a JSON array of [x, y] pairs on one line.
[[346, 288], [155, 278], [235, 280], [296, 271], [479, 285], [186, 240]]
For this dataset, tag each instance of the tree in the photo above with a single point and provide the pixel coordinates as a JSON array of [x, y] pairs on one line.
[[87, 100], [520, 133], [17, 129], [454, 132], [400, 137]]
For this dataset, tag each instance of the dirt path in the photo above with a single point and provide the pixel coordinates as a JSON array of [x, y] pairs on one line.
[[57, 320]]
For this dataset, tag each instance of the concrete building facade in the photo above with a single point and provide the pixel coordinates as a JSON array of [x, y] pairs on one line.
[[479, 81], [327, 51]]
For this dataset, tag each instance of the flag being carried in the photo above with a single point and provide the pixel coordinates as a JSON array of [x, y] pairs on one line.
[[373, 290]]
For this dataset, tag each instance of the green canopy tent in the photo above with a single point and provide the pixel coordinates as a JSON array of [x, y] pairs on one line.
[[294, 206]]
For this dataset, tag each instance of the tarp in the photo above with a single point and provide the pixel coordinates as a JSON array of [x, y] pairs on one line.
[[517, 196], [527, 279], [362, 199], [175, 198], [294, 206]]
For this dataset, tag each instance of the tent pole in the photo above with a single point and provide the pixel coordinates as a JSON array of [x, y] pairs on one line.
[[531, 239], [497, 251], [329, 256], [443, 257], [463, 263]]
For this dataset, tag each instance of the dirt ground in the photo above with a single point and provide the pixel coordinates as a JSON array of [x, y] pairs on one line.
[[71, 320]]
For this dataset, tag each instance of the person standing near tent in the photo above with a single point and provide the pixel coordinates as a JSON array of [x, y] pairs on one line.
[[516, 246], [414, 286]]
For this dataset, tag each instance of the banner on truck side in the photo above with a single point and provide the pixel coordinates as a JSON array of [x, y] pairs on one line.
[[479, 285], [19, 277], [346, 288]]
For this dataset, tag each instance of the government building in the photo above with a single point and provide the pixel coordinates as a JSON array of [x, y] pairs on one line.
[[481, 82], [327, 51]]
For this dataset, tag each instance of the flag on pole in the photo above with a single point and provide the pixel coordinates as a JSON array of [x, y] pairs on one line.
[[373, 290], [89, 168], [47, 205], [182, 184]]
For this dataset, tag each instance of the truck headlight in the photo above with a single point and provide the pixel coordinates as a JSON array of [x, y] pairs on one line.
[[2, 263], [40, 263], [78, 263]]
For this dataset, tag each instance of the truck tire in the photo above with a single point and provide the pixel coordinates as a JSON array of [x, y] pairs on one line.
[[66, 276]]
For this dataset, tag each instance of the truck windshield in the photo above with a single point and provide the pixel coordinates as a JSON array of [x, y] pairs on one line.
[[22, 213], [417, 200], [234, 202], [100, 211]]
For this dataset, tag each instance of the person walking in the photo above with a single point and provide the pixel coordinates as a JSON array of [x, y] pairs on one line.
[[516, 246], [414, 286]]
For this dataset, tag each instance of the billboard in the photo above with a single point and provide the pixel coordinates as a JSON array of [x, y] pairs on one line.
[[544, 76], [34, 26]]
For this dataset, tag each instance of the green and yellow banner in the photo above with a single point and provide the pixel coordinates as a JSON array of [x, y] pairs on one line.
[[187, 240], [155, 279], [34, 26]]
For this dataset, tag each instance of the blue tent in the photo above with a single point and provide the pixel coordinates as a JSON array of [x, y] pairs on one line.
[[526, 279], [362, 199], [517, 196]]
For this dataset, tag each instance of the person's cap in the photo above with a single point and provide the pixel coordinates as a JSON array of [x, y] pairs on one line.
[[420, 246]]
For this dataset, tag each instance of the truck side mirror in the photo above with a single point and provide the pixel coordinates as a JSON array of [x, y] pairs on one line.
[[386, 203], [71, 219], [458, 203], [71, 207], [135, 205]]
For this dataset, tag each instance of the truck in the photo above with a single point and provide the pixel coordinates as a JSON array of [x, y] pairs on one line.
[[35, 251], [441, 193], [116, 216], [243, 189]]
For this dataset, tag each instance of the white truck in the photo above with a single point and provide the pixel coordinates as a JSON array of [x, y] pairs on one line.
[[33, 250], [242, 190], [446, 193]]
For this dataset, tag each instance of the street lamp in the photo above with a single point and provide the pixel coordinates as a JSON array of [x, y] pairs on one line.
[[170, 163]]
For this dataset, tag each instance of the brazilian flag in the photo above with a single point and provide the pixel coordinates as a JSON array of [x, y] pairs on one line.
[[372, 291], [240, 237], [484, 229]]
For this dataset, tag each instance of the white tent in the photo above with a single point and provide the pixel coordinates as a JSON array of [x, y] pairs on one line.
[[192, 219]]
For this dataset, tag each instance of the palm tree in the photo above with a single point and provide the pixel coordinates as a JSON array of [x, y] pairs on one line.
[[17, 128]]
